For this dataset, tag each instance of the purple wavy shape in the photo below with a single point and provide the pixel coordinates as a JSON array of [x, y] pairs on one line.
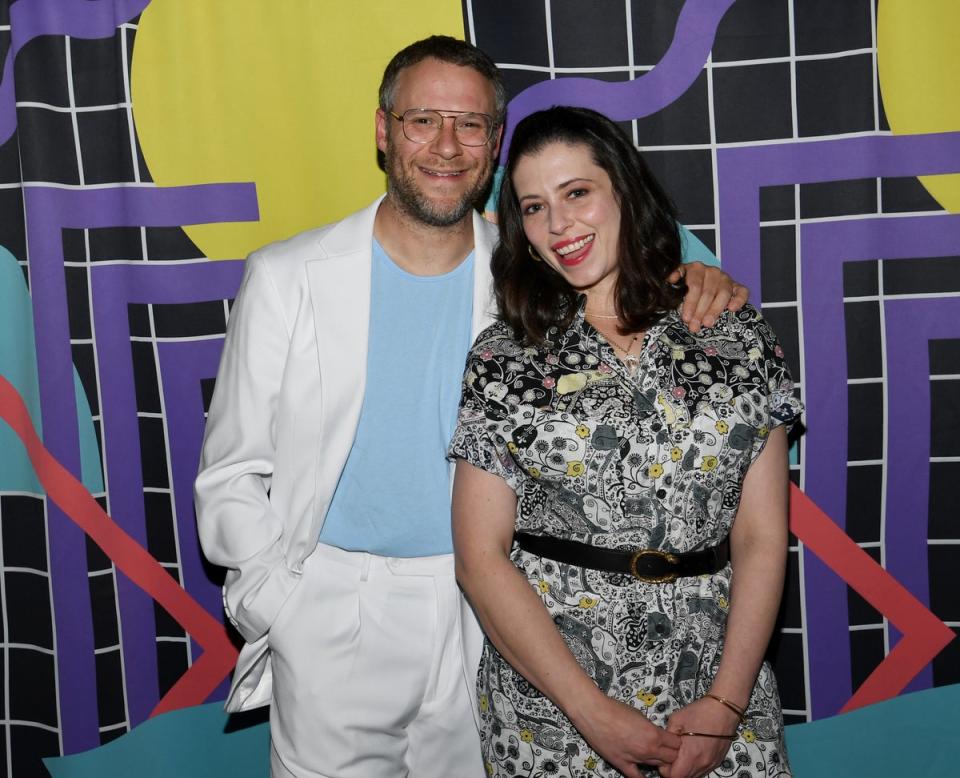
[[692, 41], [30, 19]]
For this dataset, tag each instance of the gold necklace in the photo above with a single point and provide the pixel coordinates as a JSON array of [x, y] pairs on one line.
[[630, 361], [600, 315]]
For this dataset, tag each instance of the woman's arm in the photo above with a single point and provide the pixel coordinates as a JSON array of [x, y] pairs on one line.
[[758, 548], [518, 624]]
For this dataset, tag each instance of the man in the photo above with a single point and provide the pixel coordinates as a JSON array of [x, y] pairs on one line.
[[323, 486]]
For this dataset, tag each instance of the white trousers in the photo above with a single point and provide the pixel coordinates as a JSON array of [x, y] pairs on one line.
[[368, 678]]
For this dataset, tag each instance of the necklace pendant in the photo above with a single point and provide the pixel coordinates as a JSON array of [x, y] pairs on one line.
[[632, 363]]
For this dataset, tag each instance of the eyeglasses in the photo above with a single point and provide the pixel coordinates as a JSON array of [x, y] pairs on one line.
[[422, 125]]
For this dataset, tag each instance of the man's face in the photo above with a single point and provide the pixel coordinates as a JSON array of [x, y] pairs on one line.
[[439, 182]]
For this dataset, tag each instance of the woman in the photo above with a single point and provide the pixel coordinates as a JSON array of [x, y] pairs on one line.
[[632, 459]]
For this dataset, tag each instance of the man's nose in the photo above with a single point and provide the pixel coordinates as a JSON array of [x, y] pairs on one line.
[[446, 144]]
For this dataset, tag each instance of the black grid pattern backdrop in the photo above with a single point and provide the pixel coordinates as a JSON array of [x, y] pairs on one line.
[[780, 69], [75, 128]]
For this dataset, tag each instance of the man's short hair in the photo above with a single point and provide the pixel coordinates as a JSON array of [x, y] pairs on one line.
[[449, 50]]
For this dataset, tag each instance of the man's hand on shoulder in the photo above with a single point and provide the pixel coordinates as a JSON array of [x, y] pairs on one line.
[[709, 292]]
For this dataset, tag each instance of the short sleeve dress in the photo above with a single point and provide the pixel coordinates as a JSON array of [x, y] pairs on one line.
[[651, 460]]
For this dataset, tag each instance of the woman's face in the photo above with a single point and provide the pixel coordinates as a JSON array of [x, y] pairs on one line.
[[571, 216]]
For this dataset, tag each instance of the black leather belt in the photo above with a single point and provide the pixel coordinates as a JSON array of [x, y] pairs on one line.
[[646, 564]]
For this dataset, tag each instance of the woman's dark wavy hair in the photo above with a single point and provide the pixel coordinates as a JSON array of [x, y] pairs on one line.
[[531, 296]]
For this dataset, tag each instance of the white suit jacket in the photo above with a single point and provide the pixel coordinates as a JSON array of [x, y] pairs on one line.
[[283, 419]]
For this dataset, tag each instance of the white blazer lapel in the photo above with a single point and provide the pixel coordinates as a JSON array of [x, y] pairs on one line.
[[340, 292]]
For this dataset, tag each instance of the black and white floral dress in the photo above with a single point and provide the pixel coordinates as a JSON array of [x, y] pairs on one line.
[[656, 460]]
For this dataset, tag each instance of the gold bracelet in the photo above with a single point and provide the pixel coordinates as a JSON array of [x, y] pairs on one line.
[[707, 734], [741, 713]]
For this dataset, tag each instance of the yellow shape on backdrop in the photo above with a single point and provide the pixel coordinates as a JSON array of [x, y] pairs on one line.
[[919, 66], [282, 94]]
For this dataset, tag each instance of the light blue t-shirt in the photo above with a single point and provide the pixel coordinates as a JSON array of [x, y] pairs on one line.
[[393, 497]]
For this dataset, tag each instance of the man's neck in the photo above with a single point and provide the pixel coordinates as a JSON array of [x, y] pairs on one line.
[[419, 248]]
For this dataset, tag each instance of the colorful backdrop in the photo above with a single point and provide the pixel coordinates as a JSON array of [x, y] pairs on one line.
[[146, 147]]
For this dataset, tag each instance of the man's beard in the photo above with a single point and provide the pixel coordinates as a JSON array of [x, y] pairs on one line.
[[411, 199]]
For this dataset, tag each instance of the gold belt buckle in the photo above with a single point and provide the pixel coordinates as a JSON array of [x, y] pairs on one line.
[[657, 579]]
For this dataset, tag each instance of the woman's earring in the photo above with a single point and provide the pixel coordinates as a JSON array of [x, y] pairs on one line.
[[533, 253]]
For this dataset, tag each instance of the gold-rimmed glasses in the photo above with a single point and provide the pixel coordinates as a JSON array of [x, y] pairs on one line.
[[422, 125]]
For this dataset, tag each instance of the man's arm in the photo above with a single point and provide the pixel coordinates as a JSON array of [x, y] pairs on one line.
[[237, 526], [709, 292]]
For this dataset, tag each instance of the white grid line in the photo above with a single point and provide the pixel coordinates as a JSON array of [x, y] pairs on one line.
[[86, 187], [132, 262], [471, 30], [548, 24], [868, 628], [128, 103], [875, 82], [780, 304], [631, 72], [73, 109], [903, 296], [31, 647], [27, 570], [749, 144], [175, 338], [885, 446], [31, 725], [557, 70], [712, 122]]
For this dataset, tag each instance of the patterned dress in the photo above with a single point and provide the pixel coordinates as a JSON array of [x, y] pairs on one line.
[[656, 460]]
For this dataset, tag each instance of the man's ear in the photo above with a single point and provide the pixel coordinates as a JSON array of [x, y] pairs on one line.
[[496, 142], [381, 122]]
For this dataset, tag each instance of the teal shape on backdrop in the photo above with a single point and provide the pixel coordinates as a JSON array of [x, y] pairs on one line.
[[182, 743], [18, 364], [915, 734]]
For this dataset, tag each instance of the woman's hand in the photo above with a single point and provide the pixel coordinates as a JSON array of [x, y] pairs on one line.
[[709, 292], [699, 755], [522, 629], [625, 738]]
